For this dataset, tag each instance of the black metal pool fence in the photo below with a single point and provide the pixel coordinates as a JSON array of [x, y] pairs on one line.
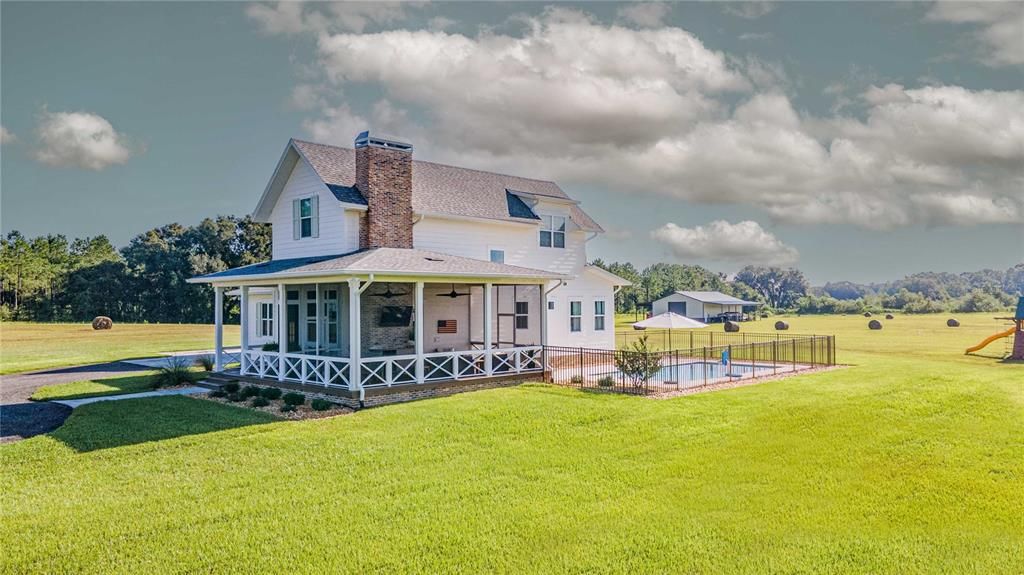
[[734, 357]]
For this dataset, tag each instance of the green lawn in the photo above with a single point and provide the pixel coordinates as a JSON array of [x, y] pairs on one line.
[[910, 462], [104, 386], [32, 346]]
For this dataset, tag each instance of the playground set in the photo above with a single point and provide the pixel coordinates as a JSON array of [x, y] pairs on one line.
[[1017, 331]]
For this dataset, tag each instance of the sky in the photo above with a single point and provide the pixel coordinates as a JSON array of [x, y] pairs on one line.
[[855, 141]]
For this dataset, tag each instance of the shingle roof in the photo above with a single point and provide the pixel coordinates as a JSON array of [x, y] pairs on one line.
[[448, 190], [716, 297], [347, 194], [382, 261]]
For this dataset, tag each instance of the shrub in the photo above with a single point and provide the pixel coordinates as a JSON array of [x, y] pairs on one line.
[[177, 371], [206, 362], [270, 393], [606, 381], [576, 379], [320, 404], [218, 393], [287, 407], [293, 398], [260, 402], [638, 363], [250, 391], [230, 387], [235, 397]]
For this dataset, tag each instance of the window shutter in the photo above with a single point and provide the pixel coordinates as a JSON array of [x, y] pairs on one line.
[[315, 212], [295, 219]]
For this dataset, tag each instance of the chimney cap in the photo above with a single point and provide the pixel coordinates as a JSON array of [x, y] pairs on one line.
[[364, 139]]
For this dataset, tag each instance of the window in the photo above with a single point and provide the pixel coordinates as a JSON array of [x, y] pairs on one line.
[[522, 315], [498, 256], [311, 336], [266, 320], [599, 315], [552, 231], [551, 305], [331, 315], [305, 218], [575, 316]]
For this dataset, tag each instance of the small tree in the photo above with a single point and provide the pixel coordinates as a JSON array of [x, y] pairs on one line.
[[637, 363]]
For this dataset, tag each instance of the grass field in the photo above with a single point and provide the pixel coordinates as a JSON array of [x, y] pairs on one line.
[[912, 461], [33, 346]]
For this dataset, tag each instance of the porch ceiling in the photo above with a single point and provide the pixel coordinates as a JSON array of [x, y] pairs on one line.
[[384, 261]]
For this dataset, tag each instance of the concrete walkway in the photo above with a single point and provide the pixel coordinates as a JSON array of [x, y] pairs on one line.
[[73, 403]]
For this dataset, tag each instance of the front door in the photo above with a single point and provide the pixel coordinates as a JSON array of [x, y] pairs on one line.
[[293, 327]]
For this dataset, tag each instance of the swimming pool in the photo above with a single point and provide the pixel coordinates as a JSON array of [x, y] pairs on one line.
[[699, 372]]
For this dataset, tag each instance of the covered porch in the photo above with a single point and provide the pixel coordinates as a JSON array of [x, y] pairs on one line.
[[364, 331]]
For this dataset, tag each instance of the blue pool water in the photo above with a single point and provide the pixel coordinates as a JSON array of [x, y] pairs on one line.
[[695, 372]]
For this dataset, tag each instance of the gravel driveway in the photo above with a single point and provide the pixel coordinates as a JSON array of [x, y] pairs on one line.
[[21, 418]]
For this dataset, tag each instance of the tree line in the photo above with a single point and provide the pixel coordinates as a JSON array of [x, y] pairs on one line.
[[787, 290], [49, 278]]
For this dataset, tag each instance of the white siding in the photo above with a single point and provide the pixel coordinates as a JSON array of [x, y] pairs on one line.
[[586, 288], [338, 229], [520, 243]]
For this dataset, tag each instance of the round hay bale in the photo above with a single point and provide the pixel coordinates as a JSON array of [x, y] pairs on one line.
[[874, 324], [867, 314], [952, 323], [781, 326], [102, 322], [888, 316], [732, 326]]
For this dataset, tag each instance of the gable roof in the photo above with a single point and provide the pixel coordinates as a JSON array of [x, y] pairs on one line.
[[398, 261], [716, 297], [436, 188]]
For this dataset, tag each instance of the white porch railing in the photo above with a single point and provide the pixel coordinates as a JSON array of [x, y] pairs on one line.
[[386, 371]]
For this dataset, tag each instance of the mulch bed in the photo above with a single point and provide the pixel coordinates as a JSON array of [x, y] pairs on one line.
[[740, 382], [301, 412]]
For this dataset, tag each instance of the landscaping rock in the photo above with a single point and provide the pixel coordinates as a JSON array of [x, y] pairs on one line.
[[952, 323], [781, 326], [732, 326], [874, 324], [102, 322], [888, 316]]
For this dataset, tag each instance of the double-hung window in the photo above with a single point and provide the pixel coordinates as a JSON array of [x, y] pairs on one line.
[[552, 231], [599, 315], [498, 256], [266, 319], [522, 315], [305, 218], [575, 316]]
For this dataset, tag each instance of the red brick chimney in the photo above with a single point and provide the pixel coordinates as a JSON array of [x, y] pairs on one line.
[[384, 177]]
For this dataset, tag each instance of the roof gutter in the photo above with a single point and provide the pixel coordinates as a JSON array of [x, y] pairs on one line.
[[285, 275]]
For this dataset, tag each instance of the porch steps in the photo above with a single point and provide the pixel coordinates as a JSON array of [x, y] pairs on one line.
[[215, 380]]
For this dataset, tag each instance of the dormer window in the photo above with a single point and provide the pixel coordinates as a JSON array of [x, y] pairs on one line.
[[552, 231], [305, 218]]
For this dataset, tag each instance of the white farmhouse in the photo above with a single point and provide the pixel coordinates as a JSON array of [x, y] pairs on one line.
[[388, 274]]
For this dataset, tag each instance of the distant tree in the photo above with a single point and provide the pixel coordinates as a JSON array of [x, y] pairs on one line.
[[846, 290], [1013, 280], [979, 300], [780, 288]]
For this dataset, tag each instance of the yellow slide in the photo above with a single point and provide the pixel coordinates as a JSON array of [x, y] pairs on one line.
[[990, 339]]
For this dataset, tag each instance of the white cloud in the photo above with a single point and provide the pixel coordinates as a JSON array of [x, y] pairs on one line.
[[80, 139], [647, 14], [645, 111], [749, 10], [438, 23], [288, 17], [999, 27], [743, 242], [6, 136]]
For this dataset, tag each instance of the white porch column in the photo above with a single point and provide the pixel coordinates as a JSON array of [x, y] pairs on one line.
[[282, 329], [419, 332], [488, 328], [319, 312], [243, 321], [354, 335], [543, 314], [218, 328]]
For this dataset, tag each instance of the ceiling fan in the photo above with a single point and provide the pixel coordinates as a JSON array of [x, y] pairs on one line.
[[388, 294], [452, 294]]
